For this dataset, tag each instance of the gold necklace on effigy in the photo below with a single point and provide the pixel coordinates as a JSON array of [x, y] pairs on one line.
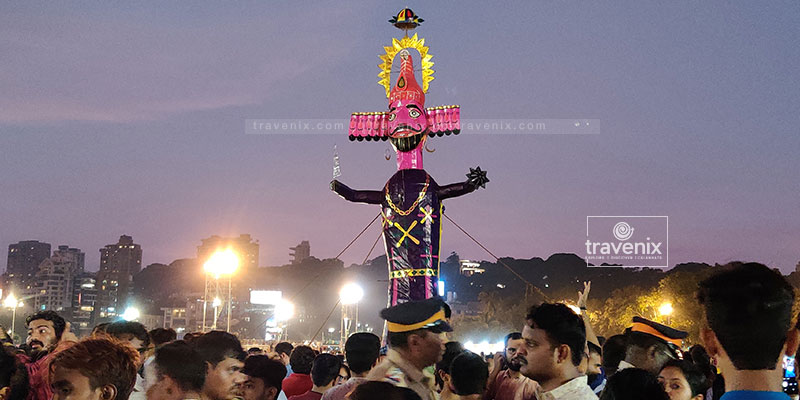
[[416, 203]]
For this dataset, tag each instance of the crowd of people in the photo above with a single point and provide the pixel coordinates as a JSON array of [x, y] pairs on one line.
[[747, 327]]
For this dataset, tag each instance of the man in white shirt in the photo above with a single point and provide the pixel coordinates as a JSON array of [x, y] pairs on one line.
[[555, 339]]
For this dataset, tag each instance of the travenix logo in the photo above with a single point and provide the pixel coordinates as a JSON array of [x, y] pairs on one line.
[[628, 241]]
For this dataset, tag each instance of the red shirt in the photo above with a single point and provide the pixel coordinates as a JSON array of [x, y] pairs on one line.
[[297, 384], [506, 387], [309, 395], [38, 381]]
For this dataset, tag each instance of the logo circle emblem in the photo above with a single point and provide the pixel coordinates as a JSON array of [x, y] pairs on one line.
[[622, 231]]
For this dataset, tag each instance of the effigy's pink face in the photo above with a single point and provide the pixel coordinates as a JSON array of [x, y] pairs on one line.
[[408, 124]]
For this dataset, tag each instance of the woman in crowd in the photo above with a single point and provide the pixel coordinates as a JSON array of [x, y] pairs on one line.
[[683, 380]]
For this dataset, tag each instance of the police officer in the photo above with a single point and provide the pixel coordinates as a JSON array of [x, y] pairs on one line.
[[651, 345], [415, 342]]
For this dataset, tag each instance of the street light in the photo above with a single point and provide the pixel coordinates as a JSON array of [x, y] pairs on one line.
[[12, 303], [284, 311], [666, 311], [131, 314], [351, 293], [221, 263], [349, 296]]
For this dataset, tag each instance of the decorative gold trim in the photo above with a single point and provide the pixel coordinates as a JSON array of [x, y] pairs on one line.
[[416, 202], [391, 51], [395, 327]]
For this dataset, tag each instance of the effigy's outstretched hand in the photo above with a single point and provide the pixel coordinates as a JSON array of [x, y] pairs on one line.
[[358, 196], [477, 178]]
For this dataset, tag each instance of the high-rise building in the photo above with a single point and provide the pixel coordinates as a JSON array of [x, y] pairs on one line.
[[244, 246], [84, 297], [54, 283], [300, 252], [24, 259], [118, 263]]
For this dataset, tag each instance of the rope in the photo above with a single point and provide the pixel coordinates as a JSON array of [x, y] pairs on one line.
[[357, 236], [326, 320], [373, 248], [495, 257], [340, 253]]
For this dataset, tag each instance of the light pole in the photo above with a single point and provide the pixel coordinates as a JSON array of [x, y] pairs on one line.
[[349, 296], [284, 311], [221, 263], [12, 303], [216, 303]]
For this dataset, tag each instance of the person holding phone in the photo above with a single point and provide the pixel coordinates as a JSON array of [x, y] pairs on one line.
[[506, 382]]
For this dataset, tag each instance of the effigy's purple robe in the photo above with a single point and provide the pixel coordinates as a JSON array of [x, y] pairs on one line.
[[411, 212]]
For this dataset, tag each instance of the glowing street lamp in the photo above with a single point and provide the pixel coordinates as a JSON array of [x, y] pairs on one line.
[[349, 296], [131, 314], [12, 303], [221, 263], [351, 293], [284, 311], [665, 309]]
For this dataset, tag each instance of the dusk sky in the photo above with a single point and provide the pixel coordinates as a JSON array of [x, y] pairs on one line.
[[130, 119]]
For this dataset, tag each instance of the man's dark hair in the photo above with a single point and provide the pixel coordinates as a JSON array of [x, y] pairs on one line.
[[181, 362], [103, 360], [749, 308], [451, 350], [361, 351], [121, 328], [698, 383], [284, 348], [302, 359], [562, 326], [633, 384], [371, 390], [268, 370], [468, 374], [325, 369], [511, 336], [13, 374], [614, 350], [216, 346], [160, 336], [59, 324]]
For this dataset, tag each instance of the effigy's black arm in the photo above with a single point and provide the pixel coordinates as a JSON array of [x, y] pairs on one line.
[[357, 196], [475, 178], [455, 190]]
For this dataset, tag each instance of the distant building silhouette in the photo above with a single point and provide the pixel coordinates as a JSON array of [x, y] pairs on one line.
[[118, 263], [300, 252], [24, 259], [54, 283], [84, 299], [244, 246]]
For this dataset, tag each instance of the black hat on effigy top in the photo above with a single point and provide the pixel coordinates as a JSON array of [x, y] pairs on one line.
[[422, 314]]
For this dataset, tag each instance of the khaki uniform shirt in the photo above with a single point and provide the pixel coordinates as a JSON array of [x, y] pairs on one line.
[[399, 372]]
